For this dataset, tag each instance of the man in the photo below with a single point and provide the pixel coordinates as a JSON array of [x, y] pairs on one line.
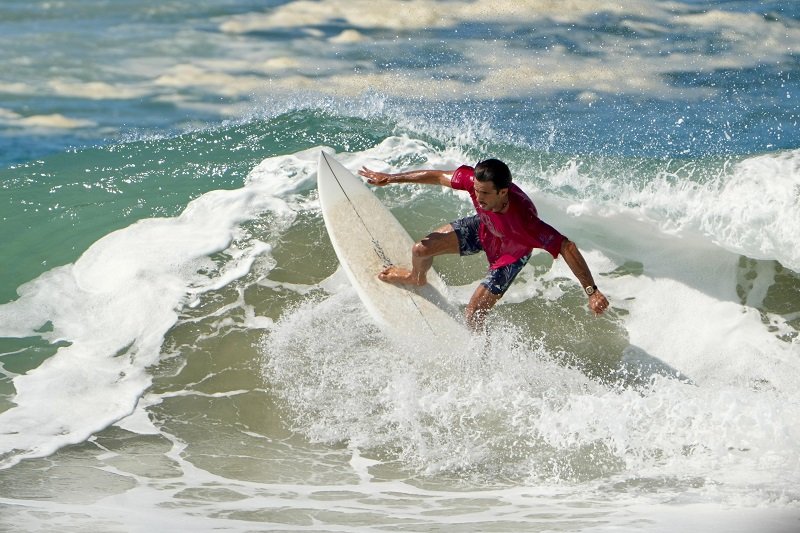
[[506, 227]]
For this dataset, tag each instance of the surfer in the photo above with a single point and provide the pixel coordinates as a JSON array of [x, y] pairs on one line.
[[506, 227]]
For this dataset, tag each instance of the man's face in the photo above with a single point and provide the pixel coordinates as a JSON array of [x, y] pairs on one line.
[[490, 198]]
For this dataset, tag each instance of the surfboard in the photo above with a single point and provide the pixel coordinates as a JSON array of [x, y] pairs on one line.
[[367, 237]]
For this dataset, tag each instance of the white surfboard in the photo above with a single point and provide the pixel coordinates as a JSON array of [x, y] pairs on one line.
[[367, 238]]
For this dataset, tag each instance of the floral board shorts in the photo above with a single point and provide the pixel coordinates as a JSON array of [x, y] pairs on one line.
[[497, 280]]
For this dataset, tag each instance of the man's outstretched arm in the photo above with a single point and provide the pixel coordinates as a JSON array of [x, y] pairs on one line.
[[569, 251], [426, 177]]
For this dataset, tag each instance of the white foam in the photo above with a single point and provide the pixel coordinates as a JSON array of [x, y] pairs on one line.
[[756, 211], [511, 71], [211, 79], [416, 14], [55, 121], [733, 436], [114, 305], [681, 301], [348, 36], [97, 90], [507, 409], [749, 207]]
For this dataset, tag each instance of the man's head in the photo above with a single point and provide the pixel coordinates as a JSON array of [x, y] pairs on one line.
[[492, 178], [495, 171]]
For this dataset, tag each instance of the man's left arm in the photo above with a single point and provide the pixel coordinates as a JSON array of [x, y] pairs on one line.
[[569, 251]]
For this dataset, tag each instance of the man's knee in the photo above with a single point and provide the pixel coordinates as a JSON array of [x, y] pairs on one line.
[[437, 243], [420, 250], [428, 246]]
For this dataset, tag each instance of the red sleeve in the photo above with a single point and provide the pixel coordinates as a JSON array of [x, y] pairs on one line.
[[537, 233], [463, 178], [549, 238]]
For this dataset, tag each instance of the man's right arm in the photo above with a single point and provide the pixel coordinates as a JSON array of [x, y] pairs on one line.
[[426, 177]]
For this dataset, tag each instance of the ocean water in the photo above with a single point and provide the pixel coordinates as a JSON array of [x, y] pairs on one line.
[[179, 349]]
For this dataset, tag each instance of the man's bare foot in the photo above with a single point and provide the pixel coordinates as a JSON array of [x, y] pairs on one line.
[[402, 276]]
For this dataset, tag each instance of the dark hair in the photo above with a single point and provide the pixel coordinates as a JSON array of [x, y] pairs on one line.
[[495, 171]]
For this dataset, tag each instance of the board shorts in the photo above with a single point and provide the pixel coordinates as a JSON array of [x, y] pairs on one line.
[[497, 280]]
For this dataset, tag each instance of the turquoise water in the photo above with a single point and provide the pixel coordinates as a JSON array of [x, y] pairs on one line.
[[179, 349]]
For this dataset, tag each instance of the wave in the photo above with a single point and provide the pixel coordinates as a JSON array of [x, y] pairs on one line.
[[680, 295]]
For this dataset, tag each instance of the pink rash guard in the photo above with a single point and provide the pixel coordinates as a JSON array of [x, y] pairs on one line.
[[507, 237]]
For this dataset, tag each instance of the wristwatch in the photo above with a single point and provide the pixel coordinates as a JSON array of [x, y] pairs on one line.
[[590, 289]]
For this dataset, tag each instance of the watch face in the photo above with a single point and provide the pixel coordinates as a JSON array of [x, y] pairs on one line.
[[590, 290]]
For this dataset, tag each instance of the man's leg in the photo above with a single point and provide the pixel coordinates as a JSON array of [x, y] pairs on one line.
[[442, 241], [489, 292], [479, 306]]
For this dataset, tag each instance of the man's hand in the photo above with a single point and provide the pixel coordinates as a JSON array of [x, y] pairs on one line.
[[379, 179], [598, 303]]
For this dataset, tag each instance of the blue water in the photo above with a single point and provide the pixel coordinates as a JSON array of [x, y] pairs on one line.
[[178, 347]]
